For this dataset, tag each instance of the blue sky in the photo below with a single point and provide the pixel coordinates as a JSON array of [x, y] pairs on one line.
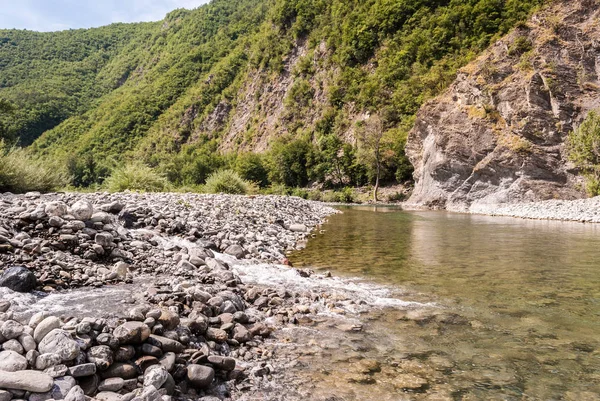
[[55, 15]]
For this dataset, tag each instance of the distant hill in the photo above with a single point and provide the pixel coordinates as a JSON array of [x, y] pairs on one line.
[[240, 75]]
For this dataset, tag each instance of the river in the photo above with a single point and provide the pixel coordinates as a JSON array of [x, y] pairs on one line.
[[510, 308]]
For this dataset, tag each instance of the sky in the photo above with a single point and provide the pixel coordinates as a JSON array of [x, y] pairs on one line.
[[57, 15]]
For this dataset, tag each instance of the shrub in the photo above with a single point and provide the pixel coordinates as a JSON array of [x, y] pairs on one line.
[[278, 189], [300, 193], [583, 146], [136, 176], [315, 195], [228, 182], [347, 195], [250, 167], [21, 172]]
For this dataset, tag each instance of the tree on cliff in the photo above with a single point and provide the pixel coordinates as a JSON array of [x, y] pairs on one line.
[[370, 136], [584, 151]]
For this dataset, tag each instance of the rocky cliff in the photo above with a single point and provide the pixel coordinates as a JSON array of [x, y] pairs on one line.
[[497, 135]]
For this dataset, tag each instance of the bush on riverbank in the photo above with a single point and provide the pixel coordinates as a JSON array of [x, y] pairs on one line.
[[137, 177], [22, 172], [228, 182], [584, 150]]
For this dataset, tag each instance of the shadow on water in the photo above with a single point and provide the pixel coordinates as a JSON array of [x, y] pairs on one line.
[[520, 303]]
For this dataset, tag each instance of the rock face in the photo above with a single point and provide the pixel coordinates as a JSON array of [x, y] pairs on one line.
[[497, 135], [18, 279]]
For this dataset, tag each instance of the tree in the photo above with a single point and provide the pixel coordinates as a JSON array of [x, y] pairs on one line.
[[584, 151], [6, 108], [370, 136]]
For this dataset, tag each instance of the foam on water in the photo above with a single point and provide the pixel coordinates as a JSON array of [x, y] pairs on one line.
[[274, 275]]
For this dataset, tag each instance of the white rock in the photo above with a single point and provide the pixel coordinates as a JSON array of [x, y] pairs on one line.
[[82, 210], [10, 361], [28, 380], [45, 327], [61, 343]]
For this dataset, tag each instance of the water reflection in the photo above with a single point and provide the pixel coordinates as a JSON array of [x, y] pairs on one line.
[[530, 291]]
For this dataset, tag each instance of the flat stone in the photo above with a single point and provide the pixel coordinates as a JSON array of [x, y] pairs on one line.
[[166, 344], [111, 384], [86, 369], [108, 396], [122, 370], [27, 380]]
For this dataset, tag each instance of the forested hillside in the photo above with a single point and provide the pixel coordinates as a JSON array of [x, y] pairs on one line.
[[296, 80]]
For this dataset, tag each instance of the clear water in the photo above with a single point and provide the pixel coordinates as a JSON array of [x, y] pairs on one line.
[[517, 313]]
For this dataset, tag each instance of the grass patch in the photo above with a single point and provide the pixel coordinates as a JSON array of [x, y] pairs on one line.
[[21, 172]]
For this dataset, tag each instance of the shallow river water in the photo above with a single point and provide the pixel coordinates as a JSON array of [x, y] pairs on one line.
[[511, 308]]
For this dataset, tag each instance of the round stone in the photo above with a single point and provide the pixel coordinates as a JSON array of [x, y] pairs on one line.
[[132, 333], [200, 376], [10, 361]]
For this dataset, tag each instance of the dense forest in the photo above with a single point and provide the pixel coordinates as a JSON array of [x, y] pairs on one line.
[[197, 92]]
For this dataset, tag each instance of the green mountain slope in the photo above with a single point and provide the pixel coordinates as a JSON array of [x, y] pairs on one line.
[[241, 75]]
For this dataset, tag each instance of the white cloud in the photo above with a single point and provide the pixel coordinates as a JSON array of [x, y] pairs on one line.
[[52, 15]]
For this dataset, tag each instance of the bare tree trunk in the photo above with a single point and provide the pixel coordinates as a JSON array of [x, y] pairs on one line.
[[376, 181]]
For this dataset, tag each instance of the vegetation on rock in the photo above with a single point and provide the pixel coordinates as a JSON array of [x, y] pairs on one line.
[[584, 151]]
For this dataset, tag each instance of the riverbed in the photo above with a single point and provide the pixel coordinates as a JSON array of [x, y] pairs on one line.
[[510, 308]]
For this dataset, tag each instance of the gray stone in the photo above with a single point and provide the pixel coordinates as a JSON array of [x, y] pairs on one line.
[[10, 361], [155, 375], [111, 384], [200, 376], [5, 395], [75, 394], [60, 342], [236, 250], [44, 327], [82, 210], [27, 342], [57, 208], [100, 355], [166, 344], [298, 228], [108, 396], [28, 380], [105, 240], [13, 345], [86, 369], [11, 329], [44, 361], [19, 279], [132, 333]]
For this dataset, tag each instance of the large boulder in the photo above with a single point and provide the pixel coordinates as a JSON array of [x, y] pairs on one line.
[[19, 279]]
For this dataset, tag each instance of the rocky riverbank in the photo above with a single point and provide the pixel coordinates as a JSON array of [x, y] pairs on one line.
[[192, 328], [583, 210]]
